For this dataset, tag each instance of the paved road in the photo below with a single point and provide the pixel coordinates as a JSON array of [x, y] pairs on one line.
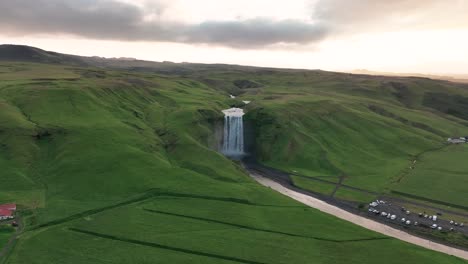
[[358, 220]]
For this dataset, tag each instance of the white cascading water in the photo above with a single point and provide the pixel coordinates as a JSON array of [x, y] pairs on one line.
[[233, 143]]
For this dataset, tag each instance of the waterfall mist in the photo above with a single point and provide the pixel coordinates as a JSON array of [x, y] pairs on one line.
[[233, 139]]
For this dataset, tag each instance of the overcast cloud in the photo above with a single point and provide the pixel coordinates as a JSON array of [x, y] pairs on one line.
[[114, 20], [100, 19]]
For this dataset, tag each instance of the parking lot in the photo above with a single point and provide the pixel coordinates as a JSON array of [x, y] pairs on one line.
[[398, 215]]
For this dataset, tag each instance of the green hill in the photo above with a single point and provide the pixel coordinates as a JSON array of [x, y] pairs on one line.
[[369, 129], [120, 165]]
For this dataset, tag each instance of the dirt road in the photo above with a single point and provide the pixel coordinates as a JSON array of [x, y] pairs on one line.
[[12, 240], [358, 220]]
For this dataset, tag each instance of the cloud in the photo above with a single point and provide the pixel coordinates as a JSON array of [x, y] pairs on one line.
[[145, 21], [113, 20], [386, 15], [257, 32]]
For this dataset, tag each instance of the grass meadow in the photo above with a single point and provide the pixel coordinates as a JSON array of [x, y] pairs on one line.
[[120, 166]]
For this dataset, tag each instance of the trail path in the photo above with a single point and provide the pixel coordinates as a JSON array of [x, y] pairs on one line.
[[12, 240], [359, 220]]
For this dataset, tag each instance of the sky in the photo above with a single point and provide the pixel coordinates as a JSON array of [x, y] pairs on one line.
[[413, 36]]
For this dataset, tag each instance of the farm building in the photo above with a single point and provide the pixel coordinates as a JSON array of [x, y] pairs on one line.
[[7, 211]]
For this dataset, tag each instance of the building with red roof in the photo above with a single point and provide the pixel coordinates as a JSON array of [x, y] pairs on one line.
[[7, 210]]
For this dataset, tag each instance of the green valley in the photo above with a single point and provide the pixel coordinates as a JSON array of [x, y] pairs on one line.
[[105, 159]]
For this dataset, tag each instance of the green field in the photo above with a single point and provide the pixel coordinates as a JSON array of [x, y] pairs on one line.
[[120, 166], [5, 234], [206, 230], [314, 186], [352, 195], [439, 175]]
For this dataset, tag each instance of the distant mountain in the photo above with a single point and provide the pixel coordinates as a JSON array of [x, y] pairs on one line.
[[454, 78], [31, 54]]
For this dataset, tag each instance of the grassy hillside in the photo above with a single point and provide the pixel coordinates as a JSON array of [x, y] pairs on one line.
[[439, 175], [113, 166], [368, 129]]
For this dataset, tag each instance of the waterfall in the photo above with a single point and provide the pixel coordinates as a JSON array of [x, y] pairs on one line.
[[233, 143]]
